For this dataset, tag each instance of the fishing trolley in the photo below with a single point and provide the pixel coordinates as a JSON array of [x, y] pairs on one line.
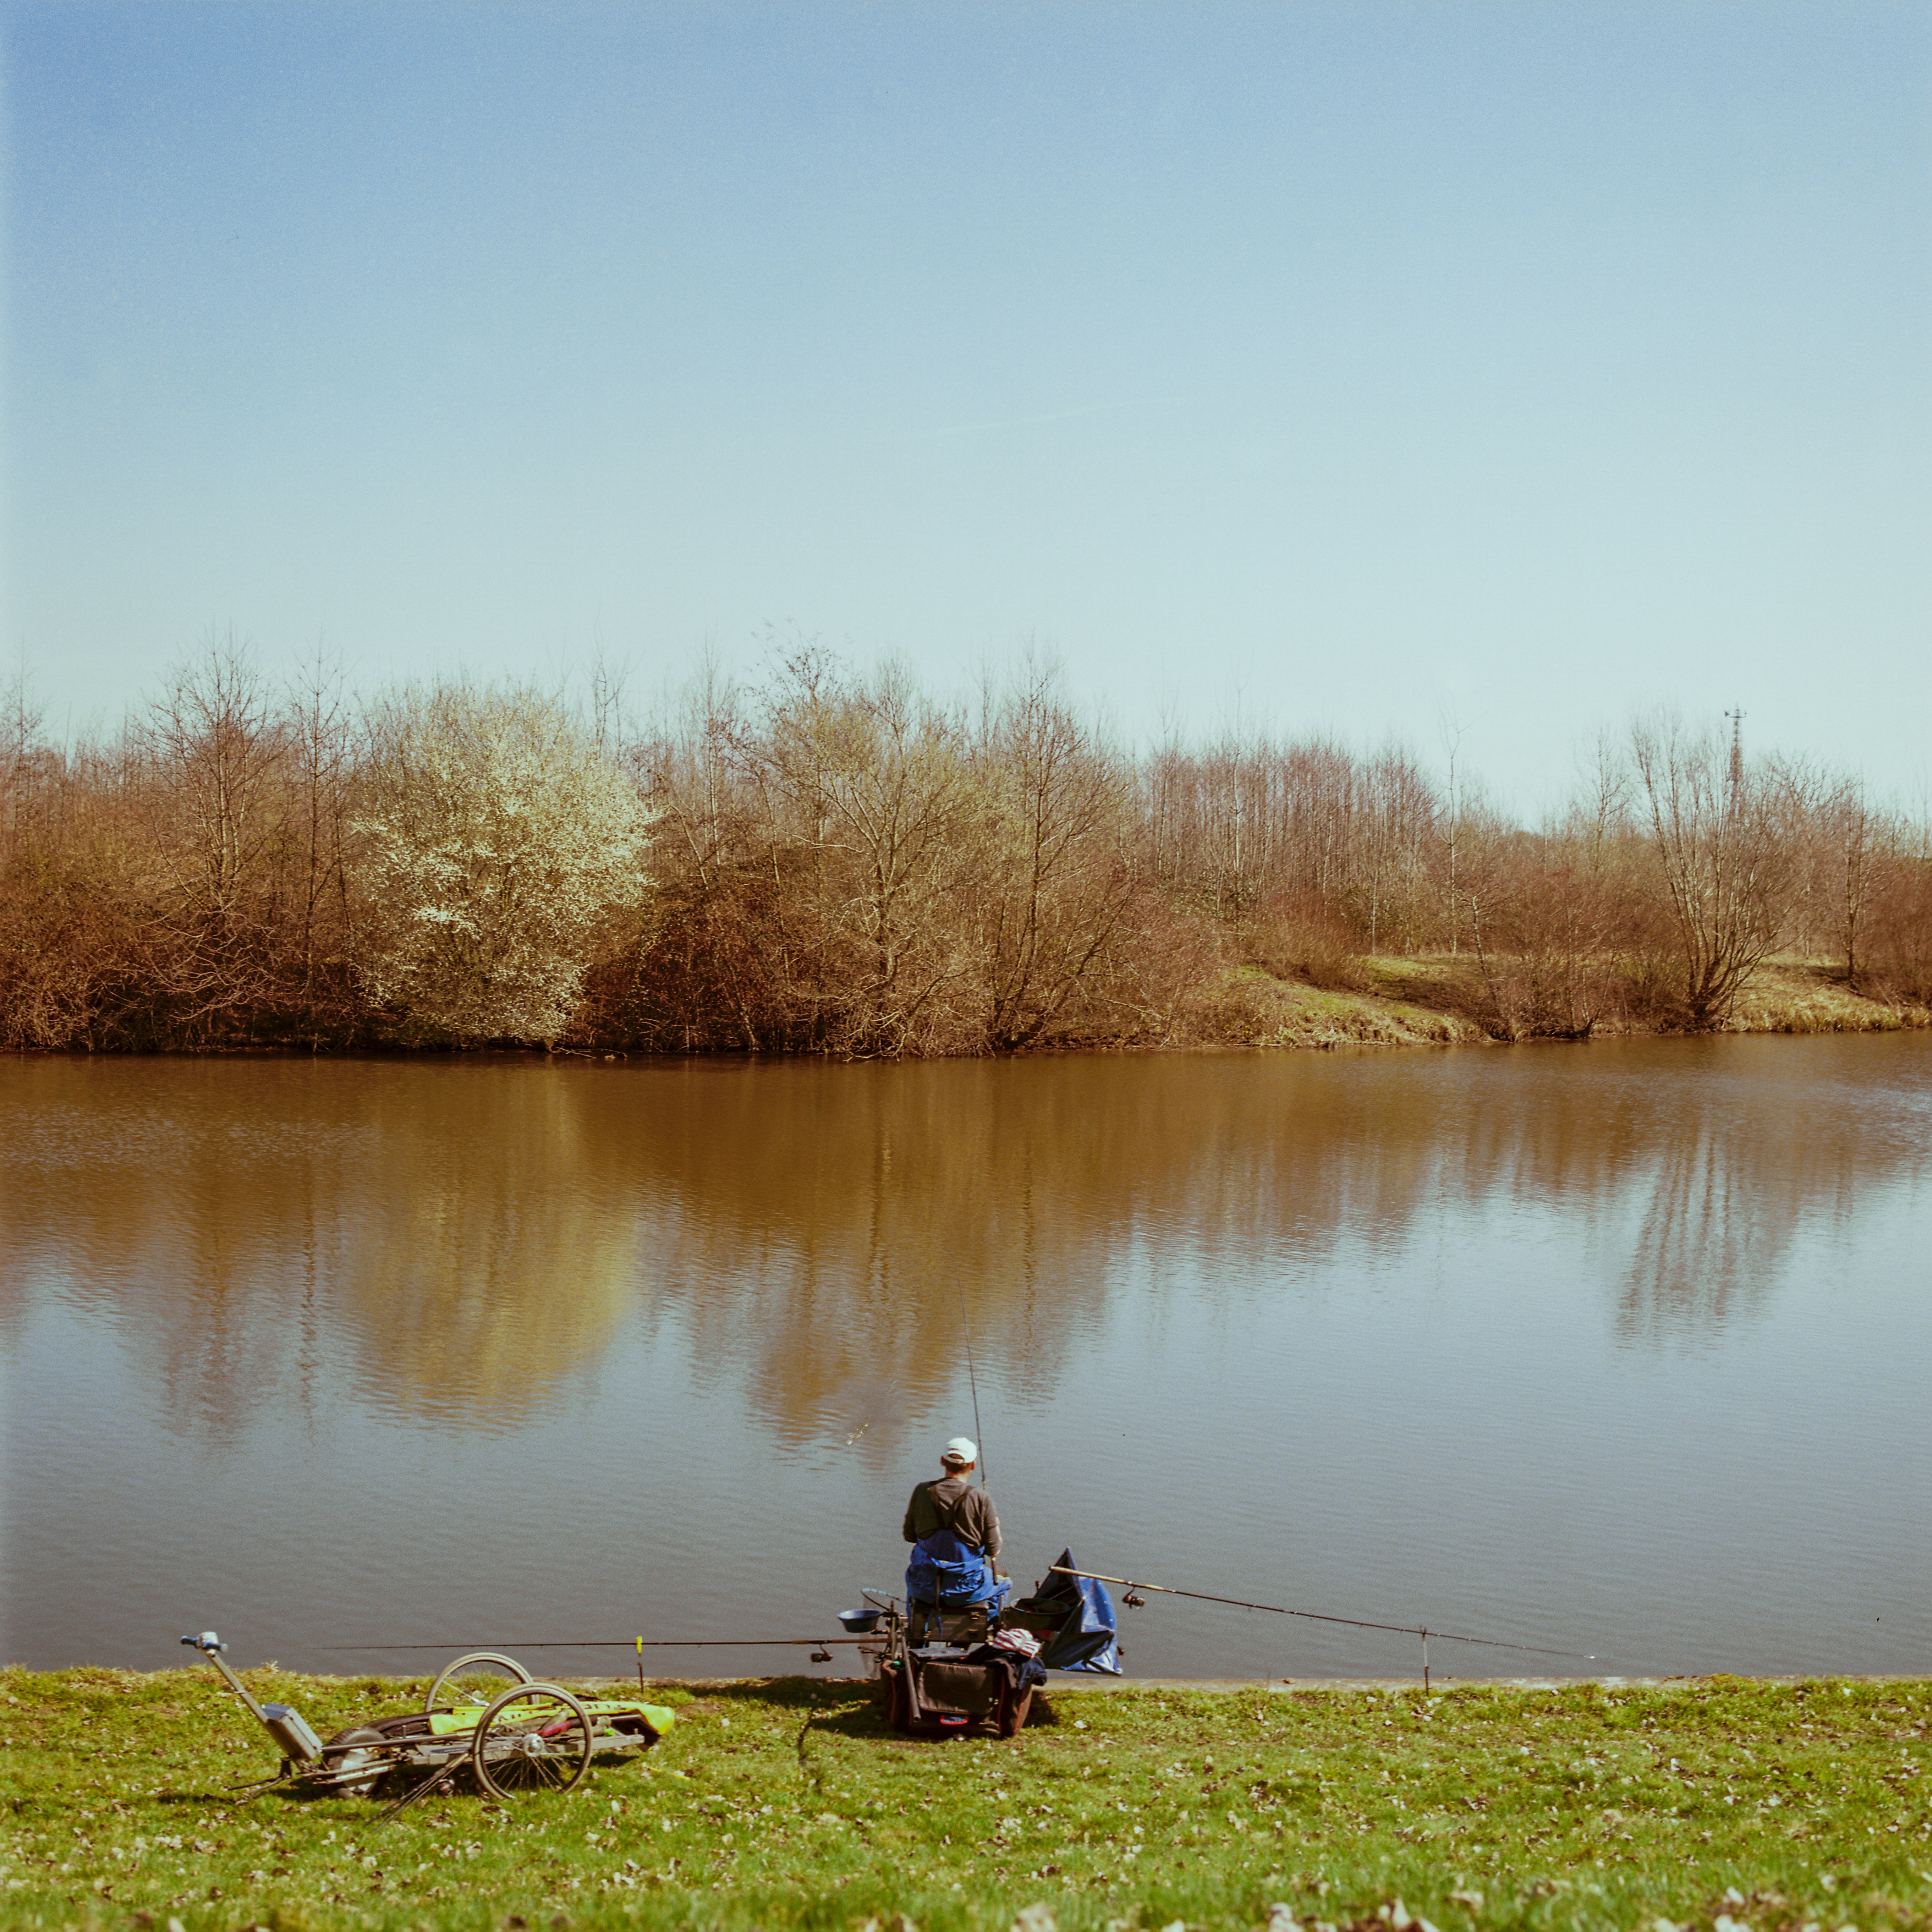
[[485, 1716]]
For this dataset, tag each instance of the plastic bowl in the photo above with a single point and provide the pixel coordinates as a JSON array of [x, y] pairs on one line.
[[860, 1623]]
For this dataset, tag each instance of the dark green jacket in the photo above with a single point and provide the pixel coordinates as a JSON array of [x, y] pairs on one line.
[[950, 1503]]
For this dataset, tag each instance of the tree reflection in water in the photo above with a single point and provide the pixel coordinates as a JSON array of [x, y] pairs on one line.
[[467, 1238]]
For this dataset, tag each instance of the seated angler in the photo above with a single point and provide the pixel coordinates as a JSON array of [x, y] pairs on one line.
[[952, 1586]]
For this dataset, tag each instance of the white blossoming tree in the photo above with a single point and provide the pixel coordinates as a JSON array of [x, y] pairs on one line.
[[498, 841]]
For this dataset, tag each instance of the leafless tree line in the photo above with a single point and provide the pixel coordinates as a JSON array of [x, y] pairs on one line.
[[184, 883], [831, 859]]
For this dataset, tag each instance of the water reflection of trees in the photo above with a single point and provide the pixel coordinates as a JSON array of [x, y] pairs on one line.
[[264, 1232], [1726, 1195], [459, 1243]]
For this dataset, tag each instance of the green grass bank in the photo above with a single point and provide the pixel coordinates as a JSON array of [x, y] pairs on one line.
[[1435, 1000], [1715, 1804]]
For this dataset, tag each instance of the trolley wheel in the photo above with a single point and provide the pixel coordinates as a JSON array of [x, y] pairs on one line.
[[535, 1737], [479, 1678], [349, 1752]]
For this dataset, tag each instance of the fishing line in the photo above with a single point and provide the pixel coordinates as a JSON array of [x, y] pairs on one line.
[[1318, 1616]]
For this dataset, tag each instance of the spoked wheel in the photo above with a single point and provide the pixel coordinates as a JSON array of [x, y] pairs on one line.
[[534, 1738], [480, 1678], [356, 1760]]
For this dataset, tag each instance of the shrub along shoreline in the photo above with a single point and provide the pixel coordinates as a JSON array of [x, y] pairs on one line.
[[834, 861], [1418, 1002], [1711, 1803]]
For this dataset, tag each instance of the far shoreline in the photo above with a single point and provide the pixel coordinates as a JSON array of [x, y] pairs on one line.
[[1404, 1003]]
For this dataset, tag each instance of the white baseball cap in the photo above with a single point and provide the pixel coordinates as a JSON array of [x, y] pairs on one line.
[[961, 1450]]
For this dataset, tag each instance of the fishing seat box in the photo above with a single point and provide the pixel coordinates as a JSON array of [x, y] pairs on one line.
[[928, 1623], [955, 1698], [1044, 1625]]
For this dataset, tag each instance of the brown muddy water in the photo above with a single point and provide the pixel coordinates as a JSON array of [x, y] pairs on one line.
[[1621, 1350]]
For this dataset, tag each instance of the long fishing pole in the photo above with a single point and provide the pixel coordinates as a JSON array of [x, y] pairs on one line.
[[1318, 1616], [613, 1643], [972, 1376]]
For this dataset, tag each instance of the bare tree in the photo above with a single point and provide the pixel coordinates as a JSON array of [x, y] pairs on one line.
[[212, 729], [609, 683], [317, 723], [1386, 864], [1897, 945], [1854, 842], [1725, 861], [212, 755], [1452, 730], [22, 751], [1054, 884], [869, 781]]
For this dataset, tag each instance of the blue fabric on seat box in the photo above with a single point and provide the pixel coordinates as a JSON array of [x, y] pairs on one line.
[[1088, 1639], [945, 1571]]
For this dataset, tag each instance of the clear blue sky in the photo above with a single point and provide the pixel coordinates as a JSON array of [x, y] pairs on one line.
[[1350, 362]]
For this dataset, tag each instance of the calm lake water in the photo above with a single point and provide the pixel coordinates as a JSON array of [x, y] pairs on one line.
[[1621, 1350]]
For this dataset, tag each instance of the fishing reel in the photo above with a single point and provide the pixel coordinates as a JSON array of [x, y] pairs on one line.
[[1134, 1600]]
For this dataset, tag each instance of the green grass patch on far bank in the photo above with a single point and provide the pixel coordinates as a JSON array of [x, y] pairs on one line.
[[789, 1804]]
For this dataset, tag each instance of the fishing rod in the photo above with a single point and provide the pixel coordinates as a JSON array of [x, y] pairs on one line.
[[972, 1376], [1321, 1617], [615, 1643]]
